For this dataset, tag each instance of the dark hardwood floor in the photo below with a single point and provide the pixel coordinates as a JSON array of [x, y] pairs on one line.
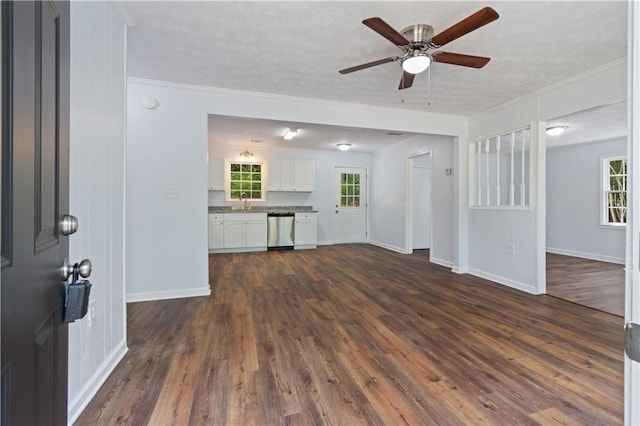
[[355, 334], [598, 285]]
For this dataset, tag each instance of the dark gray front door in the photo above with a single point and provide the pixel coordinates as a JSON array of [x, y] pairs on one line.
[[35, 117]]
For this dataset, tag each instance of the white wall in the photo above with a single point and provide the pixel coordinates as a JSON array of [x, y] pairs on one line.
[[574, 197], [491, 231], [97, 144], [167, 146], [388, 188], [322, 199]]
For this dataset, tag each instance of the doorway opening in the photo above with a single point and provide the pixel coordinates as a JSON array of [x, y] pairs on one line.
[[419, 216], [585, 244]]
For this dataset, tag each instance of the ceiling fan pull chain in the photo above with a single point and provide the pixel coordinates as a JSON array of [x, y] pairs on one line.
[[429, 86]]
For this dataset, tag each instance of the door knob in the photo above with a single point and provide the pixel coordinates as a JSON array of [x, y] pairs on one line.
[[82, 269], [67, 270], [68, 224]]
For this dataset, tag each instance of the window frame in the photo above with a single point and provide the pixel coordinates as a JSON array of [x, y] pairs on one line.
[[228, 180], [350, 191], [605, 190], [475, 199]]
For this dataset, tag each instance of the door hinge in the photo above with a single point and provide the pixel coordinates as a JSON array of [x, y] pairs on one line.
[[632, 340]]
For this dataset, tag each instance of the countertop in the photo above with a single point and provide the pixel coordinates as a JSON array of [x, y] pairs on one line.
[[262, 209]]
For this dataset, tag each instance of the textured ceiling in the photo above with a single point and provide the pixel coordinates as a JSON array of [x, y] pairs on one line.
[[596, 124], [253, 133], [297, 48], [604, 122]]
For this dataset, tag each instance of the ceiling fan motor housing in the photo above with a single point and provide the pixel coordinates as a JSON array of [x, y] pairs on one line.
[[418, 33]]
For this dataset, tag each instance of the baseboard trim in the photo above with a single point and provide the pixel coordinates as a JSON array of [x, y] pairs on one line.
[[441, 262], [527, 288], [387, 246], [459, 270], [89, 390], [168, 294], [590, 256]]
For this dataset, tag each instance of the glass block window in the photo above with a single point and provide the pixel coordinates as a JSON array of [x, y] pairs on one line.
[[614, 184], [349, 190], [245, 181]]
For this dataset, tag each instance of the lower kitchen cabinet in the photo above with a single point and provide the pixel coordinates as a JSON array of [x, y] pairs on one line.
[[241, 232], [216, 240], [305, 231]]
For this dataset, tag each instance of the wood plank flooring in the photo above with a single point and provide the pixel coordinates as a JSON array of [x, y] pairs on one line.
[[355, 334], [598, 285]]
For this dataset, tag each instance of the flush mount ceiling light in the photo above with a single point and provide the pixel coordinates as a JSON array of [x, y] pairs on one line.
[[344, 146], [416, 62], [556, 130], [289, 134]]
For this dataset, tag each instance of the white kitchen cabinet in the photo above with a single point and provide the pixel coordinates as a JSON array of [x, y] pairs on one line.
[[304, 176], [245, 231], [291, 176], [280, 175], [256, 233], [305, 230], [216, 239], [216, 174]]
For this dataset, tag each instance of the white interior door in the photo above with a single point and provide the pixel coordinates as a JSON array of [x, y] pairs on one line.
[[421, 203], [350, 223]]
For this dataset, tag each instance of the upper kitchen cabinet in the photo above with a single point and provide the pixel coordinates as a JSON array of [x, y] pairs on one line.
[[304, 176], [291, 176], [216, 173]]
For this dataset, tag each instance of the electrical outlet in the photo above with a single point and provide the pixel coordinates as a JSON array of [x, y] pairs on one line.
[[170, 192], [511, 249], [549, 235]]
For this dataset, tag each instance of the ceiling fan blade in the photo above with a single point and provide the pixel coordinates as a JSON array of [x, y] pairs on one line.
[[471, 23], [386, 31], [406, 81], [460, 59], [368, 65]]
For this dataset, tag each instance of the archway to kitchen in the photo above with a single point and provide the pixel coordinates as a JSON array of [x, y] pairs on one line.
[[258, 144]]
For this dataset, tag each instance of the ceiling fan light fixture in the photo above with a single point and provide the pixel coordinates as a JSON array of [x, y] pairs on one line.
[[556, 130], [344, 146], [416, 63], [290, 134]]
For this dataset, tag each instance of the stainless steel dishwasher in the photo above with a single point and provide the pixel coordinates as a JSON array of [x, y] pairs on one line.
[[280, 231]]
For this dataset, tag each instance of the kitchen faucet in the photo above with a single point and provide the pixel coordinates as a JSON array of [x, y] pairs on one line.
[[246, 200]]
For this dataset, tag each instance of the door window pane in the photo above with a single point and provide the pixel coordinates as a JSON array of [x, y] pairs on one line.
[[350, 190]]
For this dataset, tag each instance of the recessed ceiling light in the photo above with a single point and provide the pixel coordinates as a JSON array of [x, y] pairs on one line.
[[344, 146], [556, 130], [289, 134], [394, 134], [255, 141]]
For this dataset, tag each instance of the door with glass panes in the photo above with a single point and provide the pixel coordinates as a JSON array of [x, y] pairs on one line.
[[350, 223]]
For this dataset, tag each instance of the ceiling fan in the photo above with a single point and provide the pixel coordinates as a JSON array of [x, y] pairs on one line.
[[416, 41]]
